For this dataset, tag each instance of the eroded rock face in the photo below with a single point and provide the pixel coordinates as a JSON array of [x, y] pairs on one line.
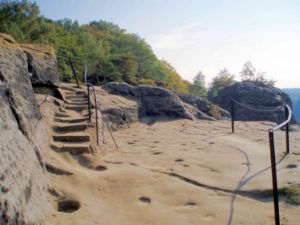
[[22, 185], [153, 101], [205, 106], [42, 64], [257, 97], [15, 76], [117, 111]]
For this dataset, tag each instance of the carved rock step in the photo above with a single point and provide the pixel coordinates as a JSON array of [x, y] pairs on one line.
[[77, 107], [76, 97], [71, 137], [71, 119], [72, 93], [69, 127], [74, 148], [64, 115], [77, 102]]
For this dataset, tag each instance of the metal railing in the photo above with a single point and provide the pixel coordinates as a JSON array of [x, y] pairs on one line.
[[288, 115], [250, 108], [91, 86], [94, 96], [74, 72], [69, 60]]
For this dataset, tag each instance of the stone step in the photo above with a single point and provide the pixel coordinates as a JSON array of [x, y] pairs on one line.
[[79, 92], [86, 113], [77, 107], [64, 115], [71, 119], [77, 102], [73, 148], [72, 137], [76, 97], [69, 127]]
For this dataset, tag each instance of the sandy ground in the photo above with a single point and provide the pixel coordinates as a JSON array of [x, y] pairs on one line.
[[175, 173]]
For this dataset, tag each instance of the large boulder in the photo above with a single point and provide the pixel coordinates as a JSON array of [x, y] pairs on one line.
[[117, 111], [42, 64], [23, 198], [15, 76], [254, 102], [153, 101], [205, 106]]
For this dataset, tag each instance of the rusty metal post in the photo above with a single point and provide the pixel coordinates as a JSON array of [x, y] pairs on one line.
[[74, 72], [89, 102], [287, 137], [96, 109], [232, 117], [274, 177]]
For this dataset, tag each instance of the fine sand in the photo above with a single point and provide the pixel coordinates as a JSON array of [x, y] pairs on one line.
[[175, 173]]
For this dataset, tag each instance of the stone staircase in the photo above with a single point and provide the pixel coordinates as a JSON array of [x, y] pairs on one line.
[[71, 122]]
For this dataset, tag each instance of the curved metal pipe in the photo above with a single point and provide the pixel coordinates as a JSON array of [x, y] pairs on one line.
[[286, 121]]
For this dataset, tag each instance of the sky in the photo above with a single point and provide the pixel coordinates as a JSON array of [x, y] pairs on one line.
[[198, 35]]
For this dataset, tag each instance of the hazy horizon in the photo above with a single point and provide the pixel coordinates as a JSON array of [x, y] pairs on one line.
[[199, 35]]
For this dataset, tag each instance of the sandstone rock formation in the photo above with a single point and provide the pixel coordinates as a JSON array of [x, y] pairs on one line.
[[117, 111], [15, 76], [205, 106], [253, 102], [153, 101], [22, 184], [42, 64]]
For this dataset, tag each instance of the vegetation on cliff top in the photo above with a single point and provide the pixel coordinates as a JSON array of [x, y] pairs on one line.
[[112, 53]]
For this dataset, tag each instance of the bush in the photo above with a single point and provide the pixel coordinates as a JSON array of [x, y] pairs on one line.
[[146, 82], [215, 112]]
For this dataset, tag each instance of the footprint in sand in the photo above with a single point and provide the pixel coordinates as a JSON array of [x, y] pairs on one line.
[[156, 153], [190, 203], [100, 168], [68, 205], [178, 160], [145, 200], [291, 166], [155, 142], [113, 162]]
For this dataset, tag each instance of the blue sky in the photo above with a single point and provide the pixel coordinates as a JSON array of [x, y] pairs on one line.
[[201, 35]]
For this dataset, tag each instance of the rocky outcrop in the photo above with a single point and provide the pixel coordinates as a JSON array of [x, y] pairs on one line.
[[14, 76], [253, 102], [205, 106], [152, 101], [22, 184], [42, 64], [117, 111]]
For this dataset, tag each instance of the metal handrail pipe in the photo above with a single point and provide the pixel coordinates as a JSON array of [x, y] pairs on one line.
[[286, 121]]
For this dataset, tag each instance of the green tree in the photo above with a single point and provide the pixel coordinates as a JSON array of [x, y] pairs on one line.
[[173, 79], [18, 18], [198, 86], [223, 79], [248, 71], [111, 52]]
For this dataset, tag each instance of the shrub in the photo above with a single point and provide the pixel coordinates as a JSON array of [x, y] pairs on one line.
[[146, 82]]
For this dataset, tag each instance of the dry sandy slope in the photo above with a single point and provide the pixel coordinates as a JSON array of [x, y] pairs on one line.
[[186, 172]]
